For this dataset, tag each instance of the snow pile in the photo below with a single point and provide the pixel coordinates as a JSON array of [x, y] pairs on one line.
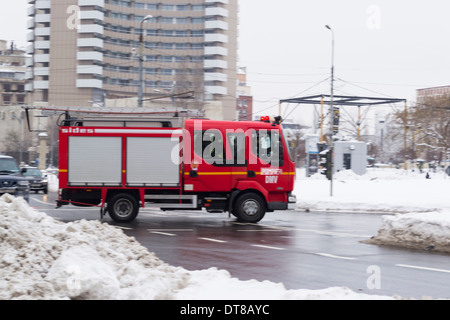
[[41, 258], [425, 231]]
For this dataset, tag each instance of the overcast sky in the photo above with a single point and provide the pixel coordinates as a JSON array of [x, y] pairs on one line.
[[383, 48]]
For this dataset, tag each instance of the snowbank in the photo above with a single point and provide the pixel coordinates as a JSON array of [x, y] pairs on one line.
[[425, 231], [41, 258], [380, 190]]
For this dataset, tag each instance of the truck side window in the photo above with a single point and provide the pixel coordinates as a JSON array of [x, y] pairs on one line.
[[209, 145], [236, 142], [267, 145]]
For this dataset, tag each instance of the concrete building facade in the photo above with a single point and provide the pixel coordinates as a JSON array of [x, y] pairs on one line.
[[87, 51], [433, 92], [244, 96]]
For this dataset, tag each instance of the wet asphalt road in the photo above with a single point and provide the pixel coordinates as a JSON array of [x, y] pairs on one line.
[[302, 250]]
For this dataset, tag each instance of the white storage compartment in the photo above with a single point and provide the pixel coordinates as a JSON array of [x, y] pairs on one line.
[[95, 161], [150, 163]]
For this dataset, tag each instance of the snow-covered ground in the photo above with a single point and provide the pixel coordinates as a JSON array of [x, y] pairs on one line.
[[418, 208], [41, 258]]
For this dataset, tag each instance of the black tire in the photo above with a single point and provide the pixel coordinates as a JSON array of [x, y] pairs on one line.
[[250, 207], [123, 207]]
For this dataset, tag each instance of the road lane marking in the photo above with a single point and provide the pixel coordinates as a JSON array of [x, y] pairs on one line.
[[213, 240], [267, 247], [422, 268], [171, 230], [123, 228], [164, 233], [334, 257]]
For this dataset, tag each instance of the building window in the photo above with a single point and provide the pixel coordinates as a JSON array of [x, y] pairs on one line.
[[21, 100], [6, 100]]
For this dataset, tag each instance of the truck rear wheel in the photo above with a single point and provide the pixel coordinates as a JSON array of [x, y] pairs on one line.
[[250, 207], [123, 208]]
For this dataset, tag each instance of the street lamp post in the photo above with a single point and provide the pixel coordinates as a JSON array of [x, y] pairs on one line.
[[332, 109], [141, 62]]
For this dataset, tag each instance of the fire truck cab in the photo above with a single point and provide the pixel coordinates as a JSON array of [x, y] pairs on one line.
[[123, 164]]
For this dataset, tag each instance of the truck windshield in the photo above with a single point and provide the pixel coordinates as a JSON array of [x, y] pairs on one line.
[[283, 135], [8, 166]]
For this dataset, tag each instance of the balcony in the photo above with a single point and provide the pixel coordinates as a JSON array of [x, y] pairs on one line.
[[43, 4], [91, 28], [41, 58], [30, 36], [42, 32], [42, 45], [90, 55], [30, 49], [42, 71], [92, 15], [89, 83], [215, 76], [88, 3], [216, 37], [217, 1], [216, 90], [222, 25], [90, 42], [220, 64], [31, 11], [42, 18], [41, 85], [98, 70], [211, 51], [216, 12]]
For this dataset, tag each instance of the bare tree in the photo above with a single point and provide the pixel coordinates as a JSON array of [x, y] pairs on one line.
[[430, 128]]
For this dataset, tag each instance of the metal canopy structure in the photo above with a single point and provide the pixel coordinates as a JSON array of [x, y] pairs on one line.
[[337, 101], [343, 100]]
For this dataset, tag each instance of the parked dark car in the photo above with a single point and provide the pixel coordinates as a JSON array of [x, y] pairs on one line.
[[12, 180], [36, 179]]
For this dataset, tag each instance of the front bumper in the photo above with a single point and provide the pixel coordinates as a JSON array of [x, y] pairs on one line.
[[291, 204], [38, 186]]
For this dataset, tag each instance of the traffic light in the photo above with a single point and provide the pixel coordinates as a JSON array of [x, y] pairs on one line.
[[326, 163]]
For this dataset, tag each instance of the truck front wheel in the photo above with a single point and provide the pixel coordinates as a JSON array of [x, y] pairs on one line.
[[250, 207], [123, 208]]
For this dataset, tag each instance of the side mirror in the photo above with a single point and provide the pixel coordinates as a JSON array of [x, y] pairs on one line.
[[23, 170]]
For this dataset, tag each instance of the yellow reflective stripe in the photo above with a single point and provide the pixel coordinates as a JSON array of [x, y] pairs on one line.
[[233, 173], [218, 173], [63, 170]]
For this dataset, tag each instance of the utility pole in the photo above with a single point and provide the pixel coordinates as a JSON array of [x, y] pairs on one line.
[[141, 63], [332, 109]]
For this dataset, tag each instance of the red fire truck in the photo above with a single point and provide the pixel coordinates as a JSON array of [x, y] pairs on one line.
[[122, 163]]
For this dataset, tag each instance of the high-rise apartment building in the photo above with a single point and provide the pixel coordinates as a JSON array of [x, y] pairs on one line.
[[87, 51]]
